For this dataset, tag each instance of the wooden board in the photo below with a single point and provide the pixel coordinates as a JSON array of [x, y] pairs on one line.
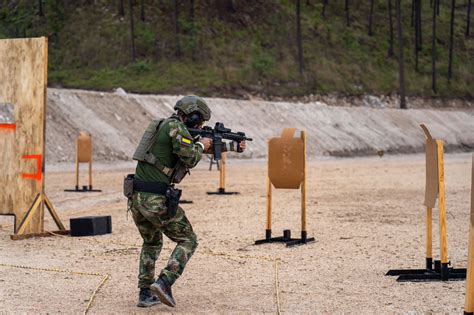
[[432, 184], [286, 160], [84, 147], [23, 81]]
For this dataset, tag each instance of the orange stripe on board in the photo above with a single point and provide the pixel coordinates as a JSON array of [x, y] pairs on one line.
[[8, 126], [39, 165]]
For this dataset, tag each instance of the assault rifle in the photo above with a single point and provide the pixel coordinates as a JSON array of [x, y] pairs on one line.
[[217, 134]]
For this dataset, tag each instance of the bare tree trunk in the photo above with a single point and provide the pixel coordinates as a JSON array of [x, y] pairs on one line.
[[419, 25], [437, 7], [193, 30], [433, 51], [417, 31], [450, 66], [176, 25], [298, 36], [390, 49], [132, 31], [468, 26], [401, 76], [325, 3], [121, 8], [142, 10], [40, 8], [371, 16], [346, 8]]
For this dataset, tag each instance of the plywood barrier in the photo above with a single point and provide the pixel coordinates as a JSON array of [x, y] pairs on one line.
[[286, 170], [23, 81], [469, 305], [434, 191]]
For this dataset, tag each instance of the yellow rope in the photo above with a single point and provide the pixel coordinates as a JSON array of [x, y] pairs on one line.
[[277, 287], [265, 258], [81, 273], [91, 299]]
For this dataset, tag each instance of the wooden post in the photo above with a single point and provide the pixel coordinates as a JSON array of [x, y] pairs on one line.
[[268, 231], [303, 190], [429, 238], [222, 173], [442, 212], [469, 305], [77, 165]]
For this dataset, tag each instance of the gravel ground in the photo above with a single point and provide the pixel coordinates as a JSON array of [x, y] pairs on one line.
[[365, 213]]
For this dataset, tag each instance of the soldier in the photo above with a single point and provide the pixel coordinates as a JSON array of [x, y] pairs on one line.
[[165, 154]]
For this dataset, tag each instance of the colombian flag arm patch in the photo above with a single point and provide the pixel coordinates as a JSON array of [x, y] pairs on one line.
[[186, 142]]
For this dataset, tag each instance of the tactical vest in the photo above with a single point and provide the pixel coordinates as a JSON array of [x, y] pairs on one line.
[[143, 153]]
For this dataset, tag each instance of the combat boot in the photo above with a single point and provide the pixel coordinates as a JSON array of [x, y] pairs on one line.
[[163, 289], [146, 298]]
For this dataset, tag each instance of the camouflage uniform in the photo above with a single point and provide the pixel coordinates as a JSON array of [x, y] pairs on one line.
[[149, 212]]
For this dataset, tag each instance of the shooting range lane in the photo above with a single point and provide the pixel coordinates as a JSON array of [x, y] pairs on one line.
[[367, 213]]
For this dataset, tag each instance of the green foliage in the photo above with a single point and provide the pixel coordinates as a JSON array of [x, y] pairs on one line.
[[252, 49]]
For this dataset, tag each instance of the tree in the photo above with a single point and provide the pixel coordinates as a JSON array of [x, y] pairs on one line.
[[298, 36], [121, 8], [176, 28], [417, 30], [468, 26], [371, 16], [450, 63], [142, 10], [40, 8], [192, 30], [325, 3], [132, 31], [401, 69], [433, 51], [390, 48], [346, 8]]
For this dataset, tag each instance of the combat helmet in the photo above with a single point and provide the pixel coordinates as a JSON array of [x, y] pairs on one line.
[[192, 103]]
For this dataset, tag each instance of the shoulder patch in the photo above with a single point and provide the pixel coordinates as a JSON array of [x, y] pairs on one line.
[[186, 142], [173, 132]]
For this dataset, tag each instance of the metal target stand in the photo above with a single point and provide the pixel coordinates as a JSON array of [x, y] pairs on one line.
[[437, 270], [279, 180], [83, 155]]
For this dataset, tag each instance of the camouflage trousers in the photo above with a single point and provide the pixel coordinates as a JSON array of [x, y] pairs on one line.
[[150, 215]]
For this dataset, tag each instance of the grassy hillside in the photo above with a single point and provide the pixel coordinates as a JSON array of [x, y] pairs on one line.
[[247, 48]]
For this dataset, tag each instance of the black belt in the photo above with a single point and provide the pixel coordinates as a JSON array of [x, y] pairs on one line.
[[150, 187]]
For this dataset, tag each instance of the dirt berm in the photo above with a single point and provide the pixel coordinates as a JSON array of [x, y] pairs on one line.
[[117, 120]]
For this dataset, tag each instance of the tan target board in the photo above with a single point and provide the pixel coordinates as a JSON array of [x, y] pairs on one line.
[[286, 170], [23, 81], [469, 305], [434, 190]]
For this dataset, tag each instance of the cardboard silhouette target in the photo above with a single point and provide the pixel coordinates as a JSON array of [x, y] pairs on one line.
[[83, 155], [286, 170], [23, 81], [434, 191]]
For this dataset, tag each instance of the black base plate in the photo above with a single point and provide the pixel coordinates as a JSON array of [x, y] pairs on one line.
[[84, 189], [286, 238], [221, 191], [451, 274]]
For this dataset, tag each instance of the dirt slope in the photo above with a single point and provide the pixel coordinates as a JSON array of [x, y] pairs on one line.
[[116, 121]]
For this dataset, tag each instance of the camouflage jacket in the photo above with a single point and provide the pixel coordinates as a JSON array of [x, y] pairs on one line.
[[173, 143]]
